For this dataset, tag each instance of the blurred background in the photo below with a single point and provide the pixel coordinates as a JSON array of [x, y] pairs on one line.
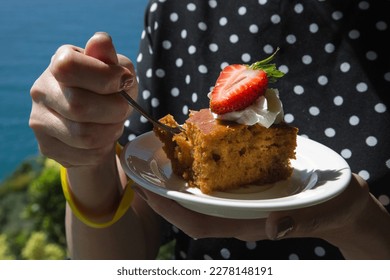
[[30, 32], [31, 202]]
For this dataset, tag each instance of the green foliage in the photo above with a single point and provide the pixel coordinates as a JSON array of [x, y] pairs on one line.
[[31, 201], [5, 253], [38, 248], [22, 176], [46, 207], [32, 211]]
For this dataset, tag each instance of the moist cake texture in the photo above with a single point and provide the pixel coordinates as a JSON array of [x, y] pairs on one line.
[[216, 155]]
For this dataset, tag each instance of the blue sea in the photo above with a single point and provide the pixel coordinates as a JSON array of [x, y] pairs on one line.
[[30, 32]]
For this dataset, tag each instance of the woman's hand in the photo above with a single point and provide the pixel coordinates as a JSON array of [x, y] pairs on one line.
[[346, 221], [76, 114]]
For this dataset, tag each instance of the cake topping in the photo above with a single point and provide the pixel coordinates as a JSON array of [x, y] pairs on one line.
[[239, 85], [266, 111]]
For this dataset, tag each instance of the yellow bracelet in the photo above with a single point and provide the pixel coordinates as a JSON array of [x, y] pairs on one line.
[[124, 205]]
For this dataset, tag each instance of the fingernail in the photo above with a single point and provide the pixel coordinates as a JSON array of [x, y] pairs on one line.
[[103, 33], [126, 82], [140, 192], [284, 226]]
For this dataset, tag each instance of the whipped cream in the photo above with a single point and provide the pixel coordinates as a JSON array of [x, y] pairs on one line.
[[266, 111]]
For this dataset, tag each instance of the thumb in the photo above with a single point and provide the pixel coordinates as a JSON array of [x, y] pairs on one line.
[[100, 46]]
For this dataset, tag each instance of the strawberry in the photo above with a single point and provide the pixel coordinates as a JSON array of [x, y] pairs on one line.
[[239, 85]]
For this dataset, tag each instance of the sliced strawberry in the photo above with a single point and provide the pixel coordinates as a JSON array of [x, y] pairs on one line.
[[238, 86]]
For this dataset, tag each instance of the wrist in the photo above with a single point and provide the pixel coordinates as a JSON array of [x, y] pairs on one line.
[[90, 195], [124, 205], [95, 191]]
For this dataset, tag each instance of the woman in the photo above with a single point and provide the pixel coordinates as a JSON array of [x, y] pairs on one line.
[[326, 49]]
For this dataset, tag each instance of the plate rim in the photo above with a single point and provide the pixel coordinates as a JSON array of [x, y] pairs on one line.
[[272, 204]]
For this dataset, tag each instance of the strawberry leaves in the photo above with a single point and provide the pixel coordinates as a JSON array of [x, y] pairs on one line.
[[269, 68]]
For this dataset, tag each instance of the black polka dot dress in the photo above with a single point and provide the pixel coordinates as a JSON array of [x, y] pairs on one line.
[[336, 89]]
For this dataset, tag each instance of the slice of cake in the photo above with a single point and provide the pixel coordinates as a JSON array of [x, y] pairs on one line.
[[225, 148]]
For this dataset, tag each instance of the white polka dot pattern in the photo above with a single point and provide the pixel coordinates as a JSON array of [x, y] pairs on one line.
[[336, 88]]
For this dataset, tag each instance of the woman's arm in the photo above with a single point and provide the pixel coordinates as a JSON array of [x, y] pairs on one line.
[[77, 116]]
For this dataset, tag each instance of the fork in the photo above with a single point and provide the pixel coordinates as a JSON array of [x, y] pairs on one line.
[[135, 105]]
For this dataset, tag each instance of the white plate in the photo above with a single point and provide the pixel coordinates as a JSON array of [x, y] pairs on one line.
[[319, 174]]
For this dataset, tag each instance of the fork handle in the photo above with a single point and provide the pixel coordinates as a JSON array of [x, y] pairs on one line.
[[136, 106]]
